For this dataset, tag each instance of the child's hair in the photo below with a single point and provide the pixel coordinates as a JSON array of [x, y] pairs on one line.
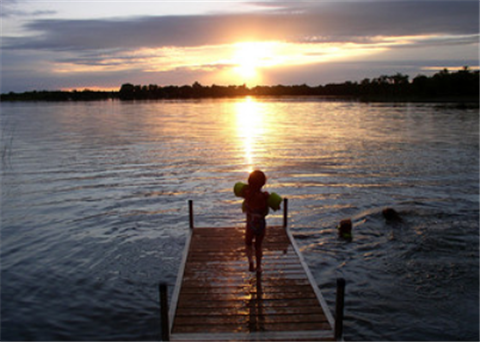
[[256, 180]]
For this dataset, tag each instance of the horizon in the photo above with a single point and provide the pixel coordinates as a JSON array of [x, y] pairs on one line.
[[64, 46], [117, 89]]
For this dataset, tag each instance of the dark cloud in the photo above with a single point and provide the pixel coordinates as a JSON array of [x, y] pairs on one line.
[[340, 21], [300, 22], [109, 57], [8, 9]]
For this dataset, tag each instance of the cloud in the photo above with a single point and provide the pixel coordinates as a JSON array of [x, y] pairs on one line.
[[179, 49], [332, 22], [9, 8]]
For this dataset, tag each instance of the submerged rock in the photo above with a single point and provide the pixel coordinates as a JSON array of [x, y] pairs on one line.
[[345, 229], [391, 214]]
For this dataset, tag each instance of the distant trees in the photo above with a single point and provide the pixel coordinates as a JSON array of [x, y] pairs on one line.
[[464, 83], [442, 86], [196, 90], [44, 95]]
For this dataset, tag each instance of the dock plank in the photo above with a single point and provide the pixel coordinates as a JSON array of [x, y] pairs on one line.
[[219, 298]]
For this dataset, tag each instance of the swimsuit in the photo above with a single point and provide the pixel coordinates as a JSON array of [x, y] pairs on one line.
[[256, 222], [256, 208]]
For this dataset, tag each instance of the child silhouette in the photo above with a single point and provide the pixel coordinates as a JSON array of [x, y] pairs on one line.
[[256, 206]]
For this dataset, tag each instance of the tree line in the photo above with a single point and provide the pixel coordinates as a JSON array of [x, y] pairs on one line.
[[462, 85], [58, 95]]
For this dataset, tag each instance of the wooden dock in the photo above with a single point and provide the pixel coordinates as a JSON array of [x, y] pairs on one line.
[[216, 298]]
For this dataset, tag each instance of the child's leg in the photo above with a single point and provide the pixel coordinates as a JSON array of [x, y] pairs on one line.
[[249, 248], [259, 251]]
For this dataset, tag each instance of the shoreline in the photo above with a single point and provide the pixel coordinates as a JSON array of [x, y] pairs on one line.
[[458, 87], [468, 101]]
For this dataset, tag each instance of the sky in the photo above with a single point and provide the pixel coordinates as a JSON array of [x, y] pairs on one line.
[[100, 45]]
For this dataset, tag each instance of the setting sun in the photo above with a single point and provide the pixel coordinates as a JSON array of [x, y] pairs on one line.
[[249, 57], [251, 60]]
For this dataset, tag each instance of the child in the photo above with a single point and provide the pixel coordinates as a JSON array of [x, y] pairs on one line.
[[256, 207]]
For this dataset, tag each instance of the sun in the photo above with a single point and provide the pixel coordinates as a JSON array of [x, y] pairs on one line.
[[250, 57]]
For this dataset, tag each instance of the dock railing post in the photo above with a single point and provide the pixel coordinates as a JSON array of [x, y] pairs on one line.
[[164, 323], [339, 309], [190, 212], [285, 212]]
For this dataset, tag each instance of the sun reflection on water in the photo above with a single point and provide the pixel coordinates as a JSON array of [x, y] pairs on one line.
[[250, 129]]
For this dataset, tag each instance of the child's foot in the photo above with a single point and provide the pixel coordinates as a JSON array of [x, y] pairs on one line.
[[251, 267]]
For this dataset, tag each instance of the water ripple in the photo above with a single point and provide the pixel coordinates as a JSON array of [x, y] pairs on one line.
[[94, 209]]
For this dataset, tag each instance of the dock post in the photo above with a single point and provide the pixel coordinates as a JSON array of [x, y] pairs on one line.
[[285, 212], [164, 323], [339, 309], [190, 211]]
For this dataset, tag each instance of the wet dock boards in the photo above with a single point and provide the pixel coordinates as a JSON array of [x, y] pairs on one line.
[[216, 298]]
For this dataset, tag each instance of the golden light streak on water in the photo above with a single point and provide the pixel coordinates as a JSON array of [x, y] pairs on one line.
[[250, 129]]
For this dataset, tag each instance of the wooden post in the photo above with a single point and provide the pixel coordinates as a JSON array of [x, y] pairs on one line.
[[285, 212], [164, 324], [190, 211], [339, 308]]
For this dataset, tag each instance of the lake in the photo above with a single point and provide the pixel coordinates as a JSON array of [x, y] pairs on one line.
[[94, 208]]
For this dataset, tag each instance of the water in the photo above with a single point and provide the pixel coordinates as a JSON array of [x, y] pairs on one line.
[[94, 208]]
